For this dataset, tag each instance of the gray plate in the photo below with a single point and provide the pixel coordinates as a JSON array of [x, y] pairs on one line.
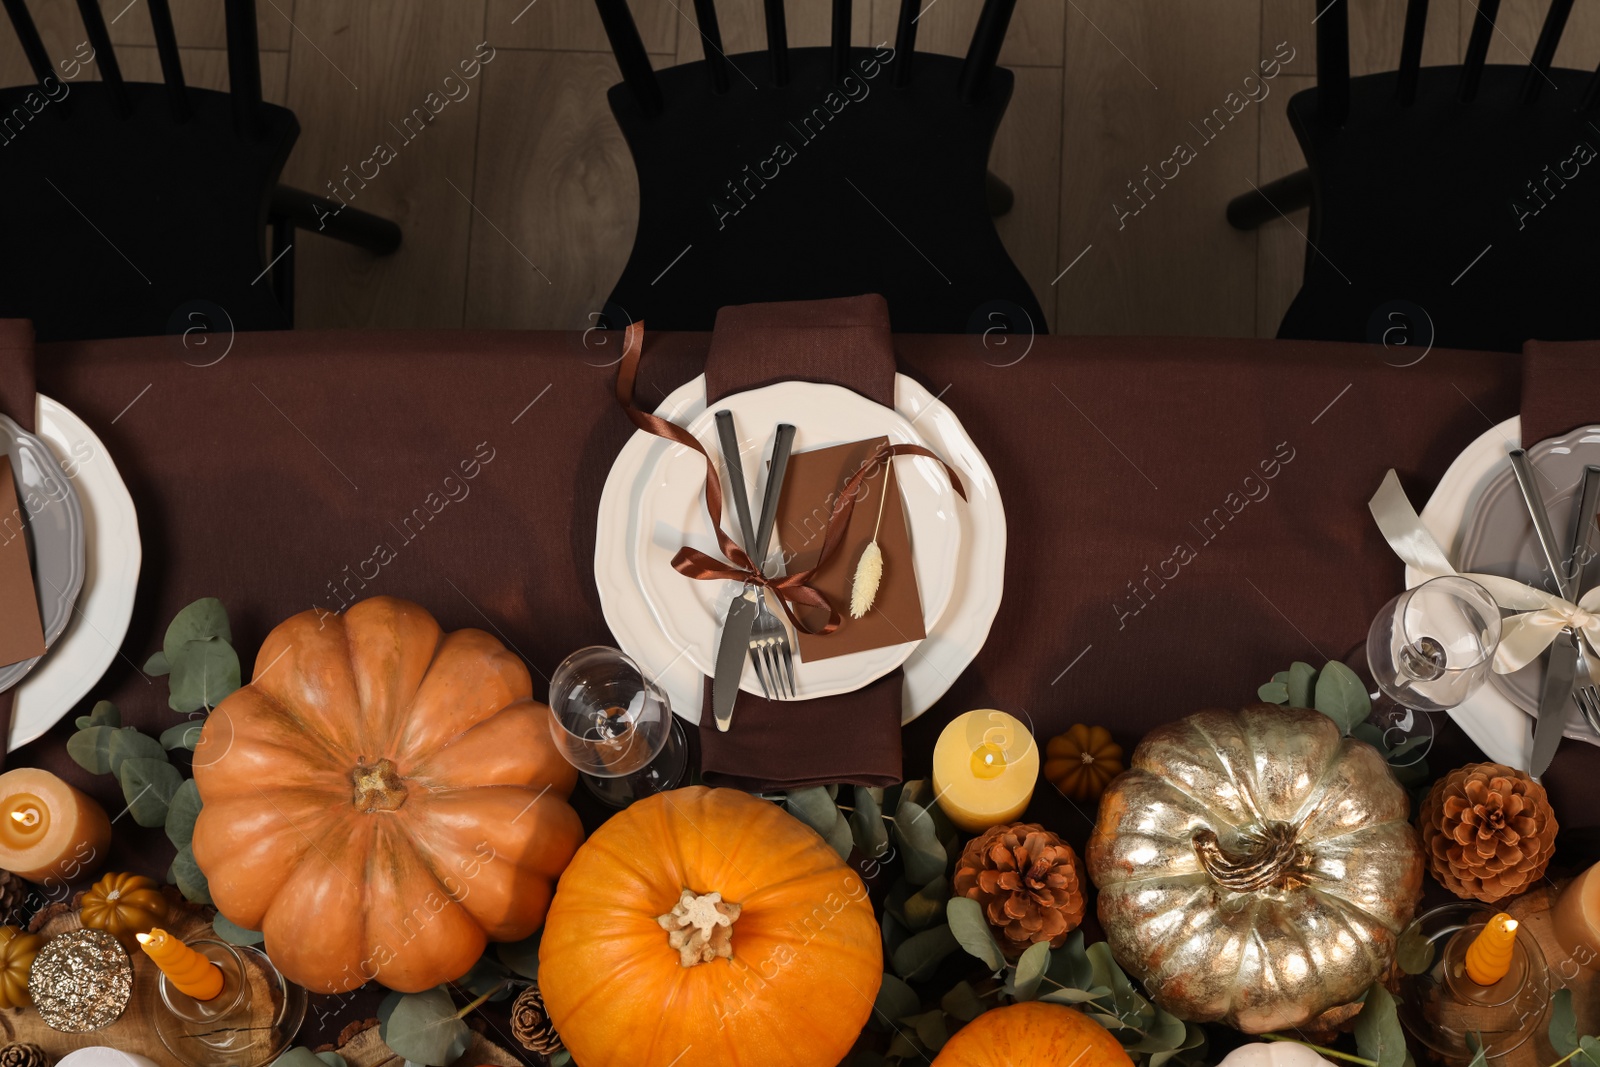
[[1498, 538], [53, 524]]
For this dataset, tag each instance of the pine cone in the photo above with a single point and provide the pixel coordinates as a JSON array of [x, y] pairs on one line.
[[1488, 830], [530, 1024], [1029, 882], [20, 1055], [13, 894]]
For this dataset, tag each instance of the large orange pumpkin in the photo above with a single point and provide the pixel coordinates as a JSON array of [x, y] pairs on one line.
[[1031, 1034], [382, 799], [705, 926]]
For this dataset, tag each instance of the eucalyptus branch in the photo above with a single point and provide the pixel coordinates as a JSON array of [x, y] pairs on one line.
[[481, 1000], [1322, 1050]]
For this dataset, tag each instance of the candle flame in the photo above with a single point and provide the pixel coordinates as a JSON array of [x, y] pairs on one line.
[[1511, 924], [27, 816], [144, 939]]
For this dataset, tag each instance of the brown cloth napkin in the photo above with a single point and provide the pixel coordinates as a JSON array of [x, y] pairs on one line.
[[852, 738], [17, 400], [1560, 392]]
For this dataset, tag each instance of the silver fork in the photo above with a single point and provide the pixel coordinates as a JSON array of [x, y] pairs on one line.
[[771, 649], [1585, 694]]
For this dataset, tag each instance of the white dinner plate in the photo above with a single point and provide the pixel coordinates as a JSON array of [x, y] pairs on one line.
[[932, 667], [673, 514], [104, 607], [1496, 725]]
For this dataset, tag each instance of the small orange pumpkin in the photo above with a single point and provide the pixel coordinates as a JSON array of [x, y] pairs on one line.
[[705, 926], [123, 905], [382, 799], [1082, 761], [1032, 1033], [17, 950]]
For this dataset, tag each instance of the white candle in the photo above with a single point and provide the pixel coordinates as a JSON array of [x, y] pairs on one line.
[[985, 765]]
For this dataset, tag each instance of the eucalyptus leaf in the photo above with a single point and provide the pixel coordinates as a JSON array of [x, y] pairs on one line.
[[1378, 1034], [931, 1029], [894, 934], [148, 785], [923, 908], [561, 1059], [902, 1047], [91, 748], [1563, 1023], [1030, 970], [184, 735], [158, 665], [386, 1008], [128, 743], [1108, 974], [920, 954], [1274, 693], [204, 673], [1590, 1050], [1069, 964], [1414, 952], [182, 813], [1342, 697], [204, 619], [817, 809], [971, 929], [962, 1002], [104, 713], [896, 1000], [189, 878], [522, 957], [866, 824], [235, 934], [1166, 1033], [925, 858], [1299, 682], [424, 1028], [1074, 996], [298, 1057]]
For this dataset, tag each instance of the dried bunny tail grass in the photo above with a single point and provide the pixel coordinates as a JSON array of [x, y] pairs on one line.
[[864, 587]]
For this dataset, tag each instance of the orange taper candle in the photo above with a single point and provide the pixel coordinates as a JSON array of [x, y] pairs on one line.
[[1489, 955], [185, 968]]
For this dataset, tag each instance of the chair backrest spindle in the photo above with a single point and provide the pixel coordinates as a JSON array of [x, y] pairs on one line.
[[28, 34], [840, 41], [244, 65], [1333, 61], [632, 59], [777, 40], [1477, 48], [984, 51], [1544, 52], [171, 65], [705, 12], [1411, 51], [905, 40], [105, 57]]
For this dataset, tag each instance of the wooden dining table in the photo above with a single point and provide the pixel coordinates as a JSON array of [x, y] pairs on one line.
[[1185, 516]]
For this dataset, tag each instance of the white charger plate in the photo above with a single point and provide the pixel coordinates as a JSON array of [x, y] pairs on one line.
[[1496, 725], [935, 663], [673, 514], [78, 659]]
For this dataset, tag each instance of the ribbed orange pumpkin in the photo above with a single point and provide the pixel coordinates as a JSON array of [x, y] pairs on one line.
[[382, 799], [1032, 1034], [792, 988]]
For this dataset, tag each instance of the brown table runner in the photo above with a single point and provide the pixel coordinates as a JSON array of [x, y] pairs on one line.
[[851, 738], [17, 399]]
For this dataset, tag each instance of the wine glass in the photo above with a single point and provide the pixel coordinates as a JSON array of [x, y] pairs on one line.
[[616, 726], [1432, 646]]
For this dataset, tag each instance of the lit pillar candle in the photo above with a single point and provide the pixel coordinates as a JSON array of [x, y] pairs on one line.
[[190, 972], [1489, 955], [49, 830], [1576, 918], [984, 769]]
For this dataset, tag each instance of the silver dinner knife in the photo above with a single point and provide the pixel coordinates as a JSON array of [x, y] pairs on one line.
[[1562, 665], [734, 644]]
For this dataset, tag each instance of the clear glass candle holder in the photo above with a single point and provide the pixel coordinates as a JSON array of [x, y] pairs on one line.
[[616, 726], [249, 1024], [1432, 645]]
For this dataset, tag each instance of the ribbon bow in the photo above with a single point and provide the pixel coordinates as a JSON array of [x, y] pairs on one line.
[[1539, 615], [793, 589]]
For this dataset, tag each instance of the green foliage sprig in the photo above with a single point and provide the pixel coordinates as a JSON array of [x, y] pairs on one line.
[[198, 659], [1338, 692], [304, 1057]]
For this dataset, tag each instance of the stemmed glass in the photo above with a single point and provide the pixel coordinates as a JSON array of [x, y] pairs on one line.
[[1432, 646], [616, 726]]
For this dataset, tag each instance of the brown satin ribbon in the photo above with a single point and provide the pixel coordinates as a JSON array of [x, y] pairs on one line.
[[793, 589]]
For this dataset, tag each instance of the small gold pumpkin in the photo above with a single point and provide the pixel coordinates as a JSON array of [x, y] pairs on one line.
[[123, 905], [17, 950], [1082, 761]]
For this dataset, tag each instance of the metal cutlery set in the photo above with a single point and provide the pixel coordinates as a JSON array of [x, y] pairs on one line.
[[751, 628], [1575, 569]]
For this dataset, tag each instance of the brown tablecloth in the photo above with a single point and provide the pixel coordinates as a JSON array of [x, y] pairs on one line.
[[1185, 517]]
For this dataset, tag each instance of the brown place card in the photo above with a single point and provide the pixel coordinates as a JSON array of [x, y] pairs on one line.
[[21, 634], [811, 485]]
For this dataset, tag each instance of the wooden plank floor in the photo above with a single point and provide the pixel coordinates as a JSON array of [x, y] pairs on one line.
[[518, 197]]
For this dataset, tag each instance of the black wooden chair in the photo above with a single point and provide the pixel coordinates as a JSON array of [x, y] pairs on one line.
[[1457, 205], [802, 173], [130, 209]]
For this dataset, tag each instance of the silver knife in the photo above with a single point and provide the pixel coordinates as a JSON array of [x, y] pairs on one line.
[[734, 644], [1562, 664], [1586, 564]]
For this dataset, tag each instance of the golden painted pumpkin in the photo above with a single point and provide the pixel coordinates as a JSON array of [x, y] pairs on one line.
[[382, 799], [705, 926], [17, 950], [1255, 867], [1082, 761], [123, 905], [1032, 1034]]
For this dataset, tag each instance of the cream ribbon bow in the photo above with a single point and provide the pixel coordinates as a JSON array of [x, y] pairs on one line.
[[1539, 615]]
